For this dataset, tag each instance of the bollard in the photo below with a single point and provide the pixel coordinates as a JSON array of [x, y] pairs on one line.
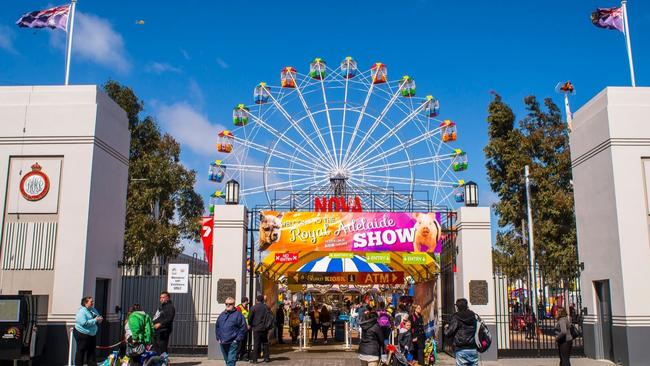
[[70, 348], [348, 344]]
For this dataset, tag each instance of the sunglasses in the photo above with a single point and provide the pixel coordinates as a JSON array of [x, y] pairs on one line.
[[230, 304]]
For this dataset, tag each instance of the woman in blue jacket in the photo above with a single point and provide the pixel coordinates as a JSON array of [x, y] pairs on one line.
[[85, 332]]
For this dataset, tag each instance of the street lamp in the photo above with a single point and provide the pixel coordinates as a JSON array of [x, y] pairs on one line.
[[232, 192], [471, 194]]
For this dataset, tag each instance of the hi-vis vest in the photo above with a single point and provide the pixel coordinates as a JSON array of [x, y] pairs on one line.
[[242, 309]]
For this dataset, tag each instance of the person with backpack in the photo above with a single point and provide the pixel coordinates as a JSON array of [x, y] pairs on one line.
[[138, 333], [372, 340], [564, 336], [417, 328], [462, 329], [384, 321], [261, 321]]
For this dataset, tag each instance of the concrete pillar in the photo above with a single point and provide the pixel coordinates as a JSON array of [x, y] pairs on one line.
[[228, 263], [474, 268], [610, 157]]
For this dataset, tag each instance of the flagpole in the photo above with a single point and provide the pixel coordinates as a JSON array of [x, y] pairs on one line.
[[68, 51], [567, 108], [627, 41]]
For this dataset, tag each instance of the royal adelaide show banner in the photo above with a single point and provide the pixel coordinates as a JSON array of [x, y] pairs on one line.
[[350, 231]]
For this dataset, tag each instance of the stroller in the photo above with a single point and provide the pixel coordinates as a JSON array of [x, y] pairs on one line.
[[394, 357], [145, 356]]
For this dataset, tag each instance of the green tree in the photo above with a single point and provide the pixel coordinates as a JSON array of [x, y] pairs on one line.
[[162, 207], [541, 141]]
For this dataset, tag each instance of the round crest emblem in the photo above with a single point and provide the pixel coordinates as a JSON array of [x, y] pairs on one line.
[[35, 184]]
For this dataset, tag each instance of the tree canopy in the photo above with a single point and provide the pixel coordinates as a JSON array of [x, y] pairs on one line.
[[541, 141], [162, 206]]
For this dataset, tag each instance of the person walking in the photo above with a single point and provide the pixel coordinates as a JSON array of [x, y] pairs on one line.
[[294, 323], [242, 354], [325, 321], [461, 329], [417, 329], [315, 323], [163, 323], [279, 322], [563, 336], [85, 332], [384, 320], [257, 320], [230, 330], [372, 340], [529, 320]]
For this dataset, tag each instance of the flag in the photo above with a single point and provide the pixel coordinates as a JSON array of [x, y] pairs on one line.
[[56, 17], [608, 18]]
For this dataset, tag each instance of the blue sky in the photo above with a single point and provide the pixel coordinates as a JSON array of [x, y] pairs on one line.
[[192, 61]]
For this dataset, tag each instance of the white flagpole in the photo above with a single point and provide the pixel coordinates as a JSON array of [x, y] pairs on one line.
[[627, 41], [68, 51], [567, 108]]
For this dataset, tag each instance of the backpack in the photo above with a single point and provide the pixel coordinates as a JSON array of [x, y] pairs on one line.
[[269, 321], [482, 337], [576, 330], [384, 319]]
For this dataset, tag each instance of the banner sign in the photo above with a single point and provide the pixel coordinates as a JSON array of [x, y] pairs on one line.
[[414, 258], [383, 258], [350, 231], [345, 278], [207, 225], [335, 255], [291, 257]]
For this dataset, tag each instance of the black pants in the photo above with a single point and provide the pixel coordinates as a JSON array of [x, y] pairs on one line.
[[418, 349], [242, 354], [314, 331], [161, 340], [565, 352], [85, 349], [260, 343], [325, 329], [280, 328]]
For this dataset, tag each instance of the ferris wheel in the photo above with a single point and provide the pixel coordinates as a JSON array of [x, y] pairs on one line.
[[339, 129]]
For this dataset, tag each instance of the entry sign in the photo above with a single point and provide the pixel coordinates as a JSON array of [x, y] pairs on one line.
[[346, 278], [414, 258], [286, 257], [378, 258], [178, 275]]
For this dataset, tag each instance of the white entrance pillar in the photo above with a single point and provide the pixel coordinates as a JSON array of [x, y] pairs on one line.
[[473, 279], [228, 264]]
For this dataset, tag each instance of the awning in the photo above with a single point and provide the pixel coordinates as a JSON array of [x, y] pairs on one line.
[[355, 264]]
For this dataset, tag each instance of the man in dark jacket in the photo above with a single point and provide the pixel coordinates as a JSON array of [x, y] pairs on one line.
[[279, 322], [462, 328], [372, 340], [163, 322], [231, 331], [257, 319]]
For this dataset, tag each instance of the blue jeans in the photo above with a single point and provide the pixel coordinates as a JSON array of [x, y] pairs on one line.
[[229, 352], [466, 357]]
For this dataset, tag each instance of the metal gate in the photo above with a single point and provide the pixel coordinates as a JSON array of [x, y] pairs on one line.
[[521, 334], [142, 284], [447, 272]]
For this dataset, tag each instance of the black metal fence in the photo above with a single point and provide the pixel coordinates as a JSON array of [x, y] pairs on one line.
[[524, 333], [143, 284]]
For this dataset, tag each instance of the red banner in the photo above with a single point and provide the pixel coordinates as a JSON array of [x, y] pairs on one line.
[[291, 257], [207, 226]]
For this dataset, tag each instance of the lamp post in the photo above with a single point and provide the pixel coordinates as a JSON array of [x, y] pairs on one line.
[[232, 192], [471, 194], [531, 246]]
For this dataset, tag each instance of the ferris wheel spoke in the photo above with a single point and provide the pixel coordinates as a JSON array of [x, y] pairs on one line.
[[378, 189], [288, 141], [376, 122], [345, 109], [390, 133], [404, 163], [321, 152], [279, 185], [406, 181], [329, 120], [269, 169], [356, 127], [263, 149], [395, 149]]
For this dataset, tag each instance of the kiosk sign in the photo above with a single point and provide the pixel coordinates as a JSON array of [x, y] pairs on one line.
[[346, 278], [178, 275]]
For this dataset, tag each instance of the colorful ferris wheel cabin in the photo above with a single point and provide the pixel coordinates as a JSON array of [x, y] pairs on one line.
[[459, 162], [240, 115], [317, 69], [448, 130], [432, 108], [224, 141], [407, 86], [217, 171], [261, 93], [288, 77], [349, 68], [379, 73], [459, 191]]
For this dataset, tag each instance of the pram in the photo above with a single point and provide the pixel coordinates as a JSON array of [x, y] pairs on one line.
[[394, 357]]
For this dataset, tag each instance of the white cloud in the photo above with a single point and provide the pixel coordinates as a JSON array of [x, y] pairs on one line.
[[222, 63], [7, 39], [161, 67], [95, 40], [196, 94], [189, 127]]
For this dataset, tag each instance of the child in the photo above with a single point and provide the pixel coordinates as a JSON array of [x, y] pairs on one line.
[[405, 339]]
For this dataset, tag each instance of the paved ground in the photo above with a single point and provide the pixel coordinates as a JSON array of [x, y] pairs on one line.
[[333, 355]]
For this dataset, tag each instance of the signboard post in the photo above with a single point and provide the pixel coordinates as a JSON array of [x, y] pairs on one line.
[[178, 275]]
